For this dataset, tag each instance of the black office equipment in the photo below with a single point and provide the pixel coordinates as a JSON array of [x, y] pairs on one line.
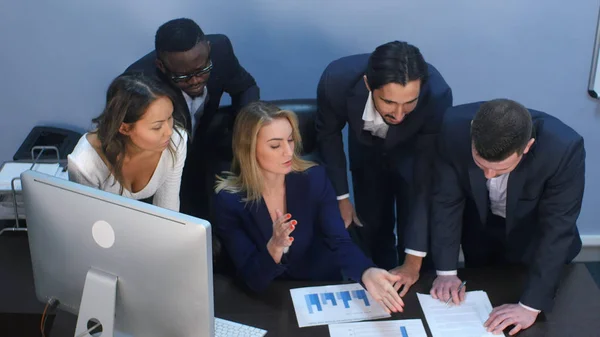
[[64, 140]]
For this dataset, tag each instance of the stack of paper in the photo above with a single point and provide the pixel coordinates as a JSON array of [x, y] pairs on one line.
[[336, 305], [464, 320], [13, 170], [397, 328]]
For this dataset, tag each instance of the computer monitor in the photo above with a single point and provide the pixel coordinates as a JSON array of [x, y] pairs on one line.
[[144, 270]]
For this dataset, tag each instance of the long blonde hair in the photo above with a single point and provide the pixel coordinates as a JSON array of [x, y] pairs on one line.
[[246, 175]]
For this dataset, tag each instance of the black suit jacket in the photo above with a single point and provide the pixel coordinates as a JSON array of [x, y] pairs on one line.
[[544, 197], [227, 76], [341, 99]]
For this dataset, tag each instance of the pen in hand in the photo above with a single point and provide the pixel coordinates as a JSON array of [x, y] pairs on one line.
[[458, 291]]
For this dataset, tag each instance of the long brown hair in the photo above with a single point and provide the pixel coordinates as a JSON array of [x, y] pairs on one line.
[[127, 100], [246, 175]]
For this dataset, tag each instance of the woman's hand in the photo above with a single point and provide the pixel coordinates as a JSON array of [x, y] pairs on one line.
[[282, 228], [379, 284]]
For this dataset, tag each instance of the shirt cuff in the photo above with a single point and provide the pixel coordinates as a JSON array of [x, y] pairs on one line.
[[529, 308], [446, 272], [415, 252], [343, 196]]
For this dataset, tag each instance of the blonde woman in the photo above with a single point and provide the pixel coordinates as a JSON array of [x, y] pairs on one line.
[[277, 215], [136, 150]]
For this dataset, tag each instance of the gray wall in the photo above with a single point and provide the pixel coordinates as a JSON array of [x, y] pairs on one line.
[[59, 56]]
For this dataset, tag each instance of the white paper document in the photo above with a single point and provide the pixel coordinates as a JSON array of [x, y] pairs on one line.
[[464, 320], [13, 170], [397, 328], [334, 304]]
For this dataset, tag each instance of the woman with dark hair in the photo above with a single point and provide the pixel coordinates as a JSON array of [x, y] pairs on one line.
[[136, 150]]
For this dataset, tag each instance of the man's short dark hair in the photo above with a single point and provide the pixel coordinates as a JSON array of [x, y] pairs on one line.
[[500, 128], [177, 35], [395, 62]]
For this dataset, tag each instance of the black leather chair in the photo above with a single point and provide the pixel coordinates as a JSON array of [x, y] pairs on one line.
[[305, 108]]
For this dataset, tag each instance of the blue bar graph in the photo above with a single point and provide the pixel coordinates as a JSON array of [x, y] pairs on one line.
[[318, 300], [328, 297], [312, 299], [361, 295], [344, 296]]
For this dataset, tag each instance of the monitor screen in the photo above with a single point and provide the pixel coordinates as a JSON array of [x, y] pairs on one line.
[[156, 262]]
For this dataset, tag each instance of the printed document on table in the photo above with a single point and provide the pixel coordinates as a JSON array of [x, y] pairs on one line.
[[464, 320], [397, 328], [334, 304]]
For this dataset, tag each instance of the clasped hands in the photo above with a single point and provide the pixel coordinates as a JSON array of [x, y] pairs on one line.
[[283, 226], [445, 287], [384, 286], [281, 240]]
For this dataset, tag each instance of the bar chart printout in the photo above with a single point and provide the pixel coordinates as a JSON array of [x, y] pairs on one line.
[[464, 320], [397, 328], [334, 304]]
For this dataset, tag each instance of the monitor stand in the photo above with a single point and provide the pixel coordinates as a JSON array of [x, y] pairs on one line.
[[97, 303]]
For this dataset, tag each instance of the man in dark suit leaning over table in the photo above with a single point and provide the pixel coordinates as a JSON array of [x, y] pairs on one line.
[[508, 185], [200, 68], [393, 102]]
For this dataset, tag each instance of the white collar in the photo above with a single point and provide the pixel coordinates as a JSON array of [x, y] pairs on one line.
[[370, 114], [373, 122]]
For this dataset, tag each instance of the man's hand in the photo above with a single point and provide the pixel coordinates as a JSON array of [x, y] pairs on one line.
[[409, 273], [510, 314], [379, 285], [446, 286], [348, 213]]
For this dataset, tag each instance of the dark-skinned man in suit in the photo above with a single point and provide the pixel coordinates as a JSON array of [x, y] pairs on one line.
[[200, 68]]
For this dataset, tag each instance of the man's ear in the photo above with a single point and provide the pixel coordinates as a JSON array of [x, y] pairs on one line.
[[159, 64], [125, 129], [529, 144], [366, 82]]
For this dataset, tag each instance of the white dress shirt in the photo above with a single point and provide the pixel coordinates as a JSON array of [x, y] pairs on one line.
[[373, 120], [196, 107], [497, 188], [374, 123]]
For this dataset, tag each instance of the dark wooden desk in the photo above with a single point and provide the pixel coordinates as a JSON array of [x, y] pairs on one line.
[[576, 313]]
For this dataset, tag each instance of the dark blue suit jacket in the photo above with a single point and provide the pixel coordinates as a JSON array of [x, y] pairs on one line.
[[341, 99], [322, 248], [543, 201]]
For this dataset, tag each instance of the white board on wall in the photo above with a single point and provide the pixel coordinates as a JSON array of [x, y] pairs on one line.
[[594, 82]]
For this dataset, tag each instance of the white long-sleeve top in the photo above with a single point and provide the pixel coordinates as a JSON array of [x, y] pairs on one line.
[[86, 167]]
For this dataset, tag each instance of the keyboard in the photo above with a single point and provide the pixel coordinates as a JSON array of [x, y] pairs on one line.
[[225, 328]]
